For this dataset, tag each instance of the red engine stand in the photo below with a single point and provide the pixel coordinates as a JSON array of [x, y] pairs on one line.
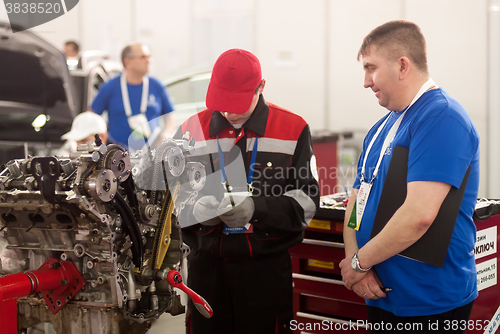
[[58, 281]]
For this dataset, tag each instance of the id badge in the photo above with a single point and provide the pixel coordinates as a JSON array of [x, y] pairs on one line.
[[362, 198], [139, 125], [237, 198]]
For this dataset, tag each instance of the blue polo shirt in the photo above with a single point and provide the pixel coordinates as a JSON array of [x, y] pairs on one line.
[[109, 97], [442, 143]]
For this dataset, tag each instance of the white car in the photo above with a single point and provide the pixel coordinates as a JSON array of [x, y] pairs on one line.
[[187, 88]]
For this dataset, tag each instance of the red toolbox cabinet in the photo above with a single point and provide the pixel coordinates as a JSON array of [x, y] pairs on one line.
[[335, 168], [485, 313], [322, 304], [325, 151]]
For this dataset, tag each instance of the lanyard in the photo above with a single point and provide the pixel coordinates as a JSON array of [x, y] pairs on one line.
[[392, 132], [126, 99], [251, 168]]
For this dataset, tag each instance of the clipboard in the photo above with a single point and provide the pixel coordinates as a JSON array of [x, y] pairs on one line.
[[432, 247]]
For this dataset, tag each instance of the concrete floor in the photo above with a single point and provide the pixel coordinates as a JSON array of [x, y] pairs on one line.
[[168, 324]]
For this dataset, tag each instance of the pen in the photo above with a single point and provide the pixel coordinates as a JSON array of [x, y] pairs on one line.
[[385, 289], [344, 202], [228, 189]]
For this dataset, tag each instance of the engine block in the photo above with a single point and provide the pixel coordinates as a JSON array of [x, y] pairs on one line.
[[112, 214]]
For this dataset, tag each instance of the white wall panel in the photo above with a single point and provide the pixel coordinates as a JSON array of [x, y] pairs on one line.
[[165, 26], [351, 105], [61, 29], [457, 45], [107, 25], [219, 25], [493, 139], [290, 43]]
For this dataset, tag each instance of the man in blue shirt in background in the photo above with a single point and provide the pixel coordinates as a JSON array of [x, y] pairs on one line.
[[134, 101], [442, 145]]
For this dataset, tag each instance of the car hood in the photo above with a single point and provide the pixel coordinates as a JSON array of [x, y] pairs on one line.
[[34, 80]]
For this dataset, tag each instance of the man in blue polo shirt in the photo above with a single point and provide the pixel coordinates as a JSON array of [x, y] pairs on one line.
[[134, 101], [442, 146]]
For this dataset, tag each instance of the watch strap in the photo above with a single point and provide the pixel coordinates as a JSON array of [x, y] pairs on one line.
[[357, 266]]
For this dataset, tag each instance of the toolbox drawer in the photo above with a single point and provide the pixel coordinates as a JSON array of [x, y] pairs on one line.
[[325, 287], [325, 305], [317, 256]]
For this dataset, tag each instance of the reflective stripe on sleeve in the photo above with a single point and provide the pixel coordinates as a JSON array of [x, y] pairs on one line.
[[274, 145]]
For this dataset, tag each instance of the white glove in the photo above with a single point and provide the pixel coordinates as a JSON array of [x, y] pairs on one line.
[[205, 211], [239, 215]]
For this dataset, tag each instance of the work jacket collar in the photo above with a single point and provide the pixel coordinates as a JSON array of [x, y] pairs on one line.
[[256, 122]]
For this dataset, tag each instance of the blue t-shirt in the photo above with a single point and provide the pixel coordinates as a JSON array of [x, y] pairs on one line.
[[442, 143], [109, 97]]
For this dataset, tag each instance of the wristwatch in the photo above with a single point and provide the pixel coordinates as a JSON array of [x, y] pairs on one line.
[[355, 264]]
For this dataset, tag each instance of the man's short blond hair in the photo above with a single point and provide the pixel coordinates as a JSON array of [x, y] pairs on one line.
[[397, 39]]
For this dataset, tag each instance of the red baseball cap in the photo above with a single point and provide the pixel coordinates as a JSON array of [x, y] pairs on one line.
[[235, 76]]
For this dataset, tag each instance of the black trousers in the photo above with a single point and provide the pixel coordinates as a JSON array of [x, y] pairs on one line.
[[451, 322], [248, 296]]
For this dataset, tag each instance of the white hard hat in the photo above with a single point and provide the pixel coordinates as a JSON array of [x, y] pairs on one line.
[[86, 124]]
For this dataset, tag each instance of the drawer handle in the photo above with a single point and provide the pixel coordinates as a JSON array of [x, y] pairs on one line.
[[323, 243], [317, 279]]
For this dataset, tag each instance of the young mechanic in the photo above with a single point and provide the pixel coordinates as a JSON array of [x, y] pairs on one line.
[[239, 259]]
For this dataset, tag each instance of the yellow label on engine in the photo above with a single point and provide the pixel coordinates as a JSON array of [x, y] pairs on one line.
[[320, 264], [320, 224]]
